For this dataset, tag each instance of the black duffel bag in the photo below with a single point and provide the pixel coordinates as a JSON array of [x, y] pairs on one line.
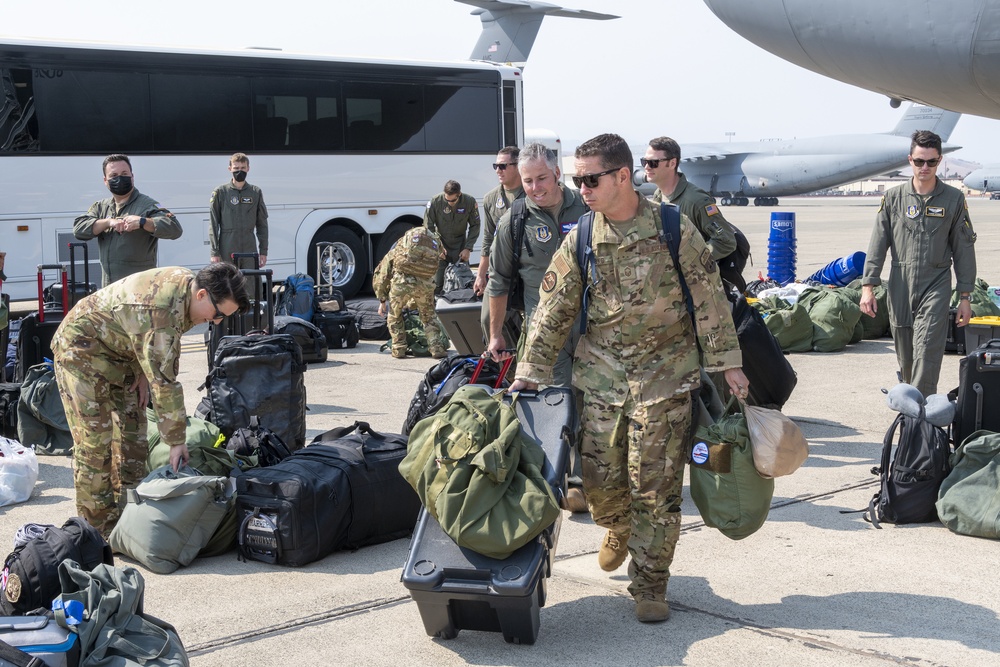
[[31, 571], [306, 334], [258, 375], [343, 491], [771, 376], [441, 382]]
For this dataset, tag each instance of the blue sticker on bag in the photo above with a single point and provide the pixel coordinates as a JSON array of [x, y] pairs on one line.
[[699, 453]]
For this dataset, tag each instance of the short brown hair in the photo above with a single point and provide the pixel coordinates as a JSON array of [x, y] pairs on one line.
[[610, 148], [115, 157], [239, 157], [453, 188], [668, 146], [925, 139]]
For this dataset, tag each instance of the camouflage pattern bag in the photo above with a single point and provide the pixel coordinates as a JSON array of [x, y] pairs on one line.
[[417, 253]]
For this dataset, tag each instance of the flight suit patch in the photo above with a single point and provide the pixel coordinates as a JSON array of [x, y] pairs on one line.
[[935, 211], [461, 210], [543, 234], [912, 211], [711, 209], [235, 200], [549, 281], [567, 227], [499, 203], [707, 261], [246, 200]]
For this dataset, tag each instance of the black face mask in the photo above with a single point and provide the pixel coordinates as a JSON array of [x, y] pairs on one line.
[[239, 176], [120, 185]]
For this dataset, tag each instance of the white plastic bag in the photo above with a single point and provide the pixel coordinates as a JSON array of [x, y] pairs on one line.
[[778, 445], [18, 472]]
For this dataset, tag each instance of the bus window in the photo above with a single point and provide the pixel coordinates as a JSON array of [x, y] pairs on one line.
[[300, 114], [461, 118], [384, 116], [200, 114], [18, 127]]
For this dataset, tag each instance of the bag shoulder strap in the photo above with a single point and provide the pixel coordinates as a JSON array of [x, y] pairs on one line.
[[670, 235], [17, 657], [585, 260]]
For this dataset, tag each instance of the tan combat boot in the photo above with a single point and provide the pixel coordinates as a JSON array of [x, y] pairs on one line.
[[399, 353], [438, 353], [651, 608], [576, 500], [613, 551]]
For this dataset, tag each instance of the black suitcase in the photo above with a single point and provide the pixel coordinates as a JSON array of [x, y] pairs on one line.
[[771, 376], [77, 290], [343, 491], [306, 334], [339, 328], [460, 314], [458, 589], [371, 325], [258, 318], [262, 375], [10, 393], [955, 342], [978, 394], [34, 341]]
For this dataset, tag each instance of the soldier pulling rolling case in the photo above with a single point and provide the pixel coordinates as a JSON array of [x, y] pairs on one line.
[[456, 588]]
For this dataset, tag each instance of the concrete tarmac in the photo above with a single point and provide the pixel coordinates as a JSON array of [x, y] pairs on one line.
[[813, 586]]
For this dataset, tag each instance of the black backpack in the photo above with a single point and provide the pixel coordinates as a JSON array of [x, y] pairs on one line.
[[31, 571], [259, 441], [441, 382], [910, 483]]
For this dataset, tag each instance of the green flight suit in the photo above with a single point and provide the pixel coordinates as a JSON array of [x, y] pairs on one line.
[[636, 366], [457, 226], [925, 235], [236, 214], [496, 202], [542, 236], [700, 208], [131, 327], [123, 254]]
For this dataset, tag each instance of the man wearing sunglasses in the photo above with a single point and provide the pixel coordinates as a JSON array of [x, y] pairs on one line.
[[454, 217], [496, 202], [661, 164], [925, 224], [636, 365]]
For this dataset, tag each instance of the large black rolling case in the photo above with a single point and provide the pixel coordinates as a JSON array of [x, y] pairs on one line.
[[462, 322], [977, 404], [34, 342], [458, 589]]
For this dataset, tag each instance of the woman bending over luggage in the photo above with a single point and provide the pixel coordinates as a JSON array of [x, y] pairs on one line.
[[115, 348]]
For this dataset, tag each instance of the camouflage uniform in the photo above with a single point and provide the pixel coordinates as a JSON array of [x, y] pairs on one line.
[[700, 208], [636, 366], [457, 227], [235, 214], [496, 202], [542, 235], [405, 277], [132, 326], [125, 253], [925, 233]]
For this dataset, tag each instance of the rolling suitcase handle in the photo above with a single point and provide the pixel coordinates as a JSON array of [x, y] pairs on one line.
[[41, 289], [241, 255], [259, 298], [503, 369], [72, 266]]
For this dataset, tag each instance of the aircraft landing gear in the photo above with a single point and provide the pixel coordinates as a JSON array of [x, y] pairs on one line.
[[734, 201], [765, 201]]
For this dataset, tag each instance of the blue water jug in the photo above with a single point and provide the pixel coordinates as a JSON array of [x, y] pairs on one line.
[[841, 272], [781, 247]]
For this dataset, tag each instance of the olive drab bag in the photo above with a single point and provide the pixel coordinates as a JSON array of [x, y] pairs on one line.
[[478, 475], [418, 253], [789, 323], [969, 498], [834, 316], [878, 326]]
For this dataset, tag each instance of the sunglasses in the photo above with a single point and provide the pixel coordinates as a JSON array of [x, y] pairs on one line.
[[654, 163], [218, 313], [917, 162], [502, 166], [451, 201], [590, 180]]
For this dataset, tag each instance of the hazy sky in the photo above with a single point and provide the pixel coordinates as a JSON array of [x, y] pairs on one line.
[[665, 67]]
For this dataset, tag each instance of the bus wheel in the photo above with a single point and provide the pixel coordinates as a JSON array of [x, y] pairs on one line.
[[391, 235], [343, 262]]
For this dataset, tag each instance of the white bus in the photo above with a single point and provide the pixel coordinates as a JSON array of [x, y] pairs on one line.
[[346, 150]]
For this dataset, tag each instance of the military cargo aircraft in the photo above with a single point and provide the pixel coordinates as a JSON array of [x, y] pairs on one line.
[[769, 169]]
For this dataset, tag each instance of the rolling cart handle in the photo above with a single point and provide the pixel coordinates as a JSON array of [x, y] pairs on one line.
[[41, 290], [503, 369]]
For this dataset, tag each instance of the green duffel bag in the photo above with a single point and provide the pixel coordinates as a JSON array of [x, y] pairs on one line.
[[969, 499], [874, 327], [727, 489], [203, 439], [789, 323], [834, 316], [979, 299], [170, 517]]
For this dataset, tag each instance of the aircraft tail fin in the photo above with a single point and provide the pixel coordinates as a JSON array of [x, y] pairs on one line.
[[921, 117], [510, 27]]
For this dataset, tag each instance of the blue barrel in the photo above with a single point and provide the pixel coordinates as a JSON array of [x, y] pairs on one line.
[[841, 272], [781, 247]]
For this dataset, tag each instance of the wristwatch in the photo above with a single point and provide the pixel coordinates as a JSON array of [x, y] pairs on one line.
[[964, 297], [142, 222]]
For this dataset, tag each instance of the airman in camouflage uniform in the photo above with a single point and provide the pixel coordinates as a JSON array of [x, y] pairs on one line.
[[405, 278], [454, 217], [114, 348], [126, 225], [636, 364], [926, 226]]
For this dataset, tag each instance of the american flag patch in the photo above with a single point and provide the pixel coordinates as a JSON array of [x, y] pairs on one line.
[[711, 209]]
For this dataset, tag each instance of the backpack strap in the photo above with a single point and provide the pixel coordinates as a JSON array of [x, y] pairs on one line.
[[670, 235], [518, 218], [871, 514], [585, 260], [17, 657]]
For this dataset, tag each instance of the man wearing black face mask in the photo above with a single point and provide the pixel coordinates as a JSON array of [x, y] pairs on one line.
[[127, 225], [237, 209]]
